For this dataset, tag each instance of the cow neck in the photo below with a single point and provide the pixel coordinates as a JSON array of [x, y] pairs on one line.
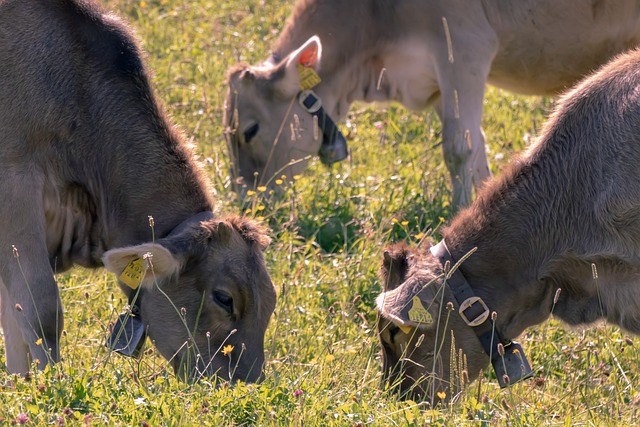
[[348, 67], [507, 357], [159, 179]]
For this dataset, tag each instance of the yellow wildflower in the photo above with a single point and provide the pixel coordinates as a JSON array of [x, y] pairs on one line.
[[278, 182], [39, 341], [262, 188], [251, 193], [227, 349], [419, 236], [441, 394], [329, 358]]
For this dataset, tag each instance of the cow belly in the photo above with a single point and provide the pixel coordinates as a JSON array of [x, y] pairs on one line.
[[547, 45], [69, 214]]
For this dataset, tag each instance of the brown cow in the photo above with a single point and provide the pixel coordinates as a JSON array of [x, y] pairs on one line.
[[419, 53], [86, 155], [559, 233]]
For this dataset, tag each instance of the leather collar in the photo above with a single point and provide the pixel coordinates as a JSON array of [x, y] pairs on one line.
[[507, 357]]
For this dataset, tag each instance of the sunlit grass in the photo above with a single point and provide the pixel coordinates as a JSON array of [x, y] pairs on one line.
[[329, 228]]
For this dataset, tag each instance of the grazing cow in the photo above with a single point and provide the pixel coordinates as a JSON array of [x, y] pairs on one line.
[[86, 155], [559, 233], [416, 52]]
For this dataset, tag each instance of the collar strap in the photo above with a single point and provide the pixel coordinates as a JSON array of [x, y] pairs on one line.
[[512, 365], [334, 144]]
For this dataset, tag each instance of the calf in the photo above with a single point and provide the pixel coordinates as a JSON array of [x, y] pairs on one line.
[[86, 157], [559, 233], [419, 53]]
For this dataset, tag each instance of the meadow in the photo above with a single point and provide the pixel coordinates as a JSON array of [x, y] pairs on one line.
[[329, 229]]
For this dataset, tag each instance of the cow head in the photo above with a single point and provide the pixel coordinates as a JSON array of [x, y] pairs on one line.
[[269, 134], [428, 351], [206, 297]]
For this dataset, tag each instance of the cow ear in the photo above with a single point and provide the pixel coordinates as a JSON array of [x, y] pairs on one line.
[[394, 266], [308, 55], [411, 304], [141, 263]]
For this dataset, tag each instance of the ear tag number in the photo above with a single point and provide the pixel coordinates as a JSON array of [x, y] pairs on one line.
[[418, 313], [308, 77], [133, 273]]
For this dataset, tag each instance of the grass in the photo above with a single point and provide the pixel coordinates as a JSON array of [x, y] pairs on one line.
[[329, 230]]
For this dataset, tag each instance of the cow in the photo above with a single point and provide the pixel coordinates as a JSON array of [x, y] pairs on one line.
[[93, 173], [557, 233], [420, 53]]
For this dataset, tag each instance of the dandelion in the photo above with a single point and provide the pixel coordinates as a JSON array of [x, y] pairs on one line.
[[441, 394], [278, 181], [39, 341], [251, 193], [262, 188], [227, 349], [297, 393]]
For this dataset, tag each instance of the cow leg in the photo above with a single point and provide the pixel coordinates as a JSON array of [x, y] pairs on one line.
[[463, 141], [16, 348], [462, 76], [30, 298]]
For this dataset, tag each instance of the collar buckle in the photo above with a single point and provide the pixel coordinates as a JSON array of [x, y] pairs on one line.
[[309, 101], [473, 304]]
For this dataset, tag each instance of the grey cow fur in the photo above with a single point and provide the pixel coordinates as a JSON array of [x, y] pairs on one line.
[[566, 209], [86, 156]]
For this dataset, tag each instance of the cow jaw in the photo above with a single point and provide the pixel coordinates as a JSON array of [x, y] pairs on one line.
[[421, 334]]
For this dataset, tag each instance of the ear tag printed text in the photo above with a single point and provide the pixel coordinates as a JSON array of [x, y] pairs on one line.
[[308, 77], [133, 273], [418, 314]]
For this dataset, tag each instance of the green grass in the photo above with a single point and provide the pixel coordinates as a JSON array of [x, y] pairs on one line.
[[329, 230]]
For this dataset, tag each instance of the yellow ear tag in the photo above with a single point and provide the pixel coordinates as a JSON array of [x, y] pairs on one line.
[[133, 273], [405, 329], [308, 77], [418, 313]]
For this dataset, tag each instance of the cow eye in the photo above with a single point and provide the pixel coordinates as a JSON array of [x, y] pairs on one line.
[[251, 132], [224, 301]]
